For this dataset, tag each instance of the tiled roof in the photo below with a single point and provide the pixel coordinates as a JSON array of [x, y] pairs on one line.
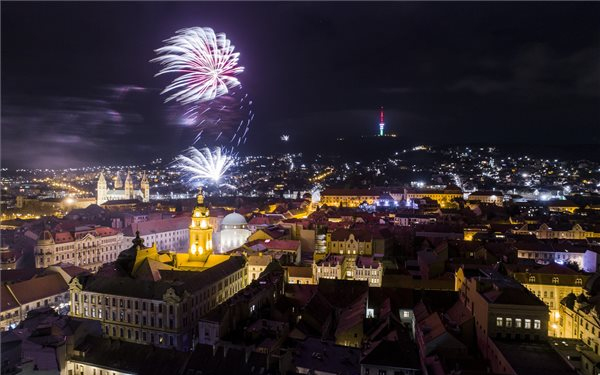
[[394, 354], [7, 301], [344, 234], [299, 271], [513, 296], [158, 226], [39, 288]]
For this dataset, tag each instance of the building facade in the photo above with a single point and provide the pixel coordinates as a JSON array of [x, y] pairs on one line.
[[157, 298], [86, 247], [233, 232], [168, 234], [19, 298], [348, 197], [585, 258], [122, 191], [348, 268], [544, 231], [551, 284]]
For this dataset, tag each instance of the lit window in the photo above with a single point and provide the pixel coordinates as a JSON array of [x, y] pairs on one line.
[[518, 323], [555, 280], [508, 322], [536, 324], [405, 314], [527, 323], [578, 281], [532, 279], [499, 322]]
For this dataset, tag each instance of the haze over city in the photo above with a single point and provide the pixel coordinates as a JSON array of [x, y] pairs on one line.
[[79, 88]]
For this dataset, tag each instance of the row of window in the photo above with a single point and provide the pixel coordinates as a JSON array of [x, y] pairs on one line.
[[121, 302], [135, 335], [556, 280], [508, 322]]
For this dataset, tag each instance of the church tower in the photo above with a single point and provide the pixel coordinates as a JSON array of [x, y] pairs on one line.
[[145, 188], [118, 181], [101, 194], [128, 186], [200, 232]]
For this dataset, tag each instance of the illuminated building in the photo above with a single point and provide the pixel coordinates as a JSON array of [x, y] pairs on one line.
[[348, 257], [234, 232], [579, 318], [356, 197], [256, 265], [551, 284], [562, 206], [503, 310], [157, 298], [348, 197], [346, 242], [299, 275], [491, 197], [561, 252], [21, 297], [443, 197], [8, 259], [87, 247], [170, 233], [544, 231], [104, 194]]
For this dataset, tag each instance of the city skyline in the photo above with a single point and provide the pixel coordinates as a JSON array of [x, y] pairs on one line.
[[445, 73]]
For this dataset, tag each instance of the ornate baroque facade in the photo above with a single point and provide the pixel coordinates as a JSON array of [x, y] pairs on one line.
[[88, 247]]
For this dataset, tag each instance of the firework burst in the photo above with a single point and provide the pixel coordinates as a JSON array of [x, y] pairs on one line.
[[285, 137], [205, 62], [205, 165]]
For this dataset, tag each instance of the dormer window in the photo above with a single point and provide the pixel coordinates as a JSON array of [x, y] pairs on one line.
[[555, 280], [578, 281], [532, 279]]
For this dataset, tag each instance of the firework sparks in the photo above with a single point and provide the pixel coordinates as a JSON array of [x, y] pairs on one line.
[[205, 61], [227, 118], [285, 137], [205, 165]]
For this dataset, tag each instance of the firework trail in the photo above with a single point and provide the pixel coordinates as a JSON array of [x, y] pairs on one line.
[[227, 118], [204, 61]]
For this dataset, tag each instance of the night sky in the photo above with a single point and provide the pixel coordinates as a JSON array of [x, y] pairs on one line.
[[78, 87]]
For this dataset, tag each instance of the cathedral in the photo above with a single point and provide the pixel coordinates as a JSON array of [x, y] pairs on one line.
[[122, 190]]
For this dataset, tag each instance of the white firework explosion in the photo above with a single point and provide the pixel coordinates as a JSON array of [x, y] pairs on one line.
[[205, 165], [205, 62]]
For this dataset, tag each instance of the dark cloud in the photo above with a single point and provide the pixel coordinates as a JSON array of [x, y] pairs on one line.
[[47, 131]]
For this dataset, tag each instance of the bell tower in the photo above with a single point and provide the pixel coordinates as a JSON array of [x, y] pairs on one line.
[[145, 188], [102, 189], [200, 232]]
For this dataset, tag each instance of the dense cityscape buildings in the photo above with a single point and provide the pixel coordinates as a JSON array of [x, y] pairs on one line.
[[300, 188]]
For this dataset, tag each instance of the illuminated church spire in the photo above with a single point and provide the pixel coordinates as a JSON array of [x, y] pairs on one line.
[[381, 123]]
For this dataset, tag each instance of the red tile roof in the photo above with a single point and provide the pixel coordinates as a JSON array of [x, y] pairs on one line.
[[158, 226], [344, 234], [39, 288], [7, 301]]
